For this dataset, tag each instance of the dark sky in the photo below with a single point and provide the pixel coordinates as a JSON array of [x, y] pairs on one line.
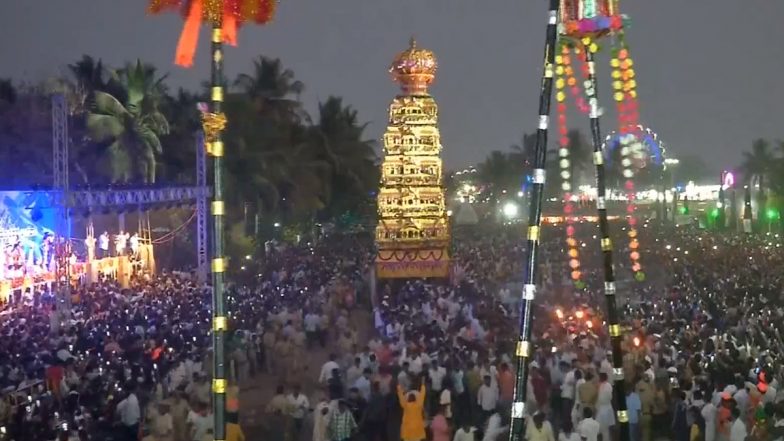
[[709, 71]]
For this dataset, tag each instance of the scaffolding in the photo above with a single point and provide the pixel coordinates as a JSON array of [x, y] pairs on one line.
[[64, 200]]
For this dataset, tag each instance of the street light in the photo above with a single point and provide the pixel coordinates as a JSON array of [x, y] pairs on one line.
[[510, 210]]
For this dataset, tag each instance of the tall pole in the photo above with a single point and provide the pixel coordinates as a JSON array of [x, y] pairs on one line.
[[524, 349], [219, 321], [619, 388]]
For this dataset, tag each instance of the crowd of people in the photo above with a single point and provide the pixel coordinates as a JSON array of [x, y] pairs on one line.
[[701, 349], [133, 363]]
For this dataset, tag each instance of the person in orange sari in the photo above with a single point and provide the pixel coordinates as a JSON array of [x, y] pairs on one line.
[[412, 428]]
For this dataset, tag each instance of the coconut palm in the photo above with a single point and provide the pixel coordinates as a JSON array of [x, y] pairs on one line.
[[523, 153], [273, 89], [501, 174], [130, 123], [338, 138]]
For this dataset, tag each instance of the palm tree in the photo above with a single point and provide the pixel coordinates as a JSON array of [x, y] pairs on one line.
[[759, 162], [130, 123], [502, 174], [338, 138], [177, 163], [270, 87], [88, 76], [523, 153]]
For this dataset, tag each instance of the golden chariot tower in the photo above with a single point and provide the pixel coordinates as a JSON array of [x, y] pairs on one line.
[[412, 236]]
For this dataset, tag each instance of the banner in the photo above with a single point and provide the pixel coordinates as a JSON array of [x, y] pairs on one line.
[[412, 264]]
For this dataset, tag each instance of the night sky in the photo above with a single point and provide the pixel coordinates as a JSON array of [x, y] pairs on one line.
[[709, 72]]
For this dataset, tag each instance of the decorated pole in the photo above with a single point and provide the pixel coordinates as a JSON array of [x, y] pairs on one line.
[[524, 349], [215, 147], [225, 17], [613, 319]]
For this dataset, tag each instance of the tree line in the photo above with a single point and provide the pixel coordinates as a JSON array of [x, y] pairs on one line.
[[128, 127]]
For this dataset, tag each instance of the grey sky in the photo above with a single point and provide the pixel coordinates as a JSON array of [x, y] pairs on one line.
[[709, 71]]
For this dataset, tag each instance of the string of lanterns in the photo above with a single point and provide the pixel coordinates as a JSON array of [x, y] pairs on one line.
[[565, 77]]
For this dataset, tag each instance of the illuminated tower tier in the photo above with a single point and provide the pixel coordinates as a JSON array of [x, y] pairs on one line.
[[412, 235]]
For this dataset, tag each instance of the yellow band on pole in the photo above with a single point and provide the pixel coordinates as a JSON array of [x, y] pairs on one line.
[[523, 349], [219, 385], [217, 93], [218, 208], [220, 323], [218, 265]]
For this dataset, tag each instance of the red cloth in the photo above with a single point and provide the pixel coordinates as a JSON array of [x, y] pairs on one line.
[[540, 389], [506, 385], [54, 376]]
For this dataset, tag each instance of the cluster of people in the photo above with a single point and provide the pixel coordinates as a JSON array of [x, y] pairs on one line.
[[702, 344], [131, 363]]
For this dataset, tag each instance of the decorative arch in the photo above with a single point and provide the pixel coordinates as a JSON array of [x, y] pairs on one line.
[[642, 137]]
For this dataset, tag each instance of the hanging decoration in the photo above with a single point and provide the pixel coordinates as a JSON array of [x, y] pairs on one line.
[[582, 24], [230, 14], [565, 77]]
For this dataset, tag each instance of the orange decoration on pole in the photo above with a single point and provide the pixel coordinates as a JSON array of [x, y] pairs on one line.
[[230, 14]]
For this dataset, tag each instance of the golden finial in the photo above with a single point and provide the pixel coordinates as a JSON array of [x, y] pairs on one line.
[[414, 68]]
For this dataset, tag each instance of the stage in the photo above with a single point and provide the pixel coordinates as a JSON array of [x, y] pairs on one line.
[[29, 247]]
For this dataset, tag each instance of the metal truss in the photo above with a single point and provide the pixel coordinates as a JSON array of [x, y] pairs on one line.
[[131, 197], [64, 200], [201, 208], [60, 185], [60, 141]]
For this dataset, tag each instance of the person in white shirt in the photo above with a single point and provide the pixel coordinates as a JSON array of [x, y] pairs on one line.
[[589, 428], [321, 417], [465, 433], [436, 374], [312, 325], [540, 429], [741, 397], [299, 405], [494, 428], [103, 245], [738, 431], [403, 378], [487, 398], [568, 433], [567, 392], [354, 372], [363, 384], [199, 423], [604, 409], [134, 240], [130, 413], [327, 368], [120, 242], [709, 415]]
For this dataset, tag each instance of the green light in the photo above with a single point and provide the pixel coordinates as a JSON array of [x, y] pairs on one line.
[[683, 209], [714, 214], [772, 214]]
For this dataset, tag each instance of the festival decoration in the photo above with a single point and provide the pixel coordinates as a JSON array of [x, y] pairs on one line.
[[581, 25], [412, 236], [229, 14], [640, 147], [225, 17]]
